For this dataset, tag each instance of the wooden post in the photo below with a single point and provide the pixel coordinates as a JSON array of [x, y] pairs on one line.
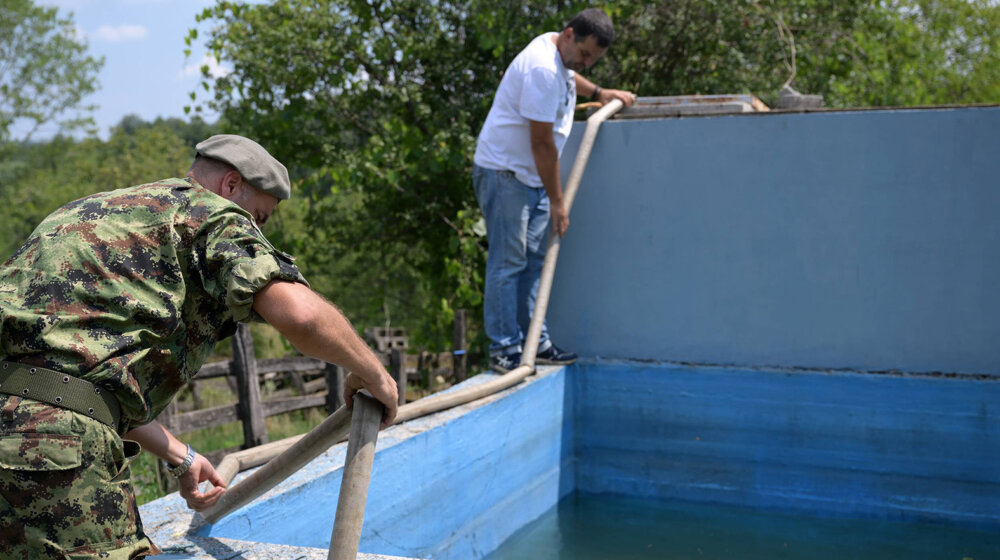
[[231, 380], [459, 354], [245, 368], [357, 476], [195, 394], [297, 382], [334, 387], [166, 482], [397, 368], [166, 416]]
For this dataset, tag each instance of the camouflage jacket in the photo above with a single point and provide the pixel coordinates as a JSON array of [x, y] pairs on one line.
[[131, 289]]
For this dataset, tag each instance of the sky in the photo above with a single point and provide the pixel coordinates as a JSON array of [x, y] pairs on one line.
[[145, 70]]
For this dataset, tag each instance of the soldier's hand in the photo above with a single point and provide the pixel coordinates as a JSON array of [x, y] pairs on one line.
[[200, 471], [385, 391]]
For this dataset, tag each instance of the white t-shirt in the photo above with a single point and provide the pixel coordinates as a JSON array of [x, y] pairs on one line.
[[538, 87]]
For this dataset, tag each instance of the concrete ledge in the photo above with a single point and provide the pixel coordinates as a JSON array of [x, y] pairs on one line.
[[183, 534]]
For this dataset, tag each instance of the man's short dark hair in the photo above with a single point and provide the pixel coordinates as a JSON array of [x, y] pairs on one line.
[[593, 21]]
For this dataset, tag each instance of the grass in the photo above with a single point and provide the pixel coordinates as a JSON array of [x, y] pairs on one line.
[[150, 484]]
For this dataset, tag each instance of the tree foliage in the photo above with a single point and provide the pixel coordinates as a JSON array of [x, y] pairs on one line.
[[376, 107], [717, 46], [45, 70], [49, 175], [190, 132], [376, 104], [857, 53], [926, 52]]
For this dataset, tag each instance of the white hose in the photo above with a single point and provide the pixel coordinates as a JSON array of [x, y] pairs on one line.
[[552, 253]]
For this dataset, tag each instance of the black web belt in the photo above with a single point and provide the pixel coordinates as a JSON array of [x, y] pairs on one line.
[[60, 389]]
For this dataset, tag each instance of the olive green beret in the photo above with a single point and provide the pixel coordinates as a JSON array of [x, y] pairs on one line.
[[258, 167]]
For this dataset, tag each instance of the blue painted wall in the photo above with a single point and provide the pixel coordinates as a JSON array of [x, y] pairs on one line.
[[885, 446], [862, 240], [453, 490], [896, 447]]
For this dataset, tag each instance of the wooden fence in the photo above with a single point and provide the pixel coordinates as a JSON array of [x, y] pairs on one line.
[[317, 383]]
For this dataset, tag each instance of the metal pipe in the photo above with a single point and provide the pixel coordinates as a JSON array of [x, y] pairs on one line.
[[357, 476], [552, 253]]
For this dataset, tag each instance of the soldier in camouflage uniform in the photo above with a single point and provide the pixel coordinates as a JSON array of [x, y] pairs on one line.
[[130, 290]]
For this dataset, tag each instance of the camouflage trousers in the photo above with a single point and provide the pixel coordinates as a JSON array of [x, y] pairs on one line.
[[65, 488]]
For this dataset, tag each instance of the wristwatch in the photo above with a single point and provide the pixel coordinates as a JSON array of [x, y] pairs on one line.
[[596, 92], [182, 468]]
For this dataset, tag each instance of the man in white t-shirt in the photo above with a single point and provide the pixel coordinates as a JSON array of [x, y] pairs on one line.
[[517, 180]]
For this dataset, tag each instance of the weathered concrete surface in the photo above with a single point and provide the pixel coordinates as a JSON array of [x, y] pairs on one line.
[[279, 516], [907, 448], [862, 240]]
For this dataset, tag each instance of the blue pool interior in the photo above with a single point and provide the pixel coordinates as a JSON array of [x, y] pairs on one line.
[[601, 526], [818, 443]]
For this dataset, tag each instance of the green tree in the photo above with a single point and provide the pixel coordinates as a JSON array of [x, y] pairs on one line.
[[45, 71], [718, 46], [190, 131], [856, 53], [64, 169], [929, 52], [375, 107]]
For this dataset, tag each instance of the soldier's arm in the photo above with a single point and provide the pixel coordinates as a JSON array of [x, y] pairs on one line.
[[156, 439], [319, 330]]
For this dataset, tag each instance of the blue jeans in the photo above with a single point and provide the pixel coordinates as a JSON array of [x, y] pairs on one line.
[[517, 228]]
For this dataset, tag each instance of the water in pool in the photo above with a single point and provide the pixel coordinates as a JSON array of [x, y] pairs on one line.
[[588, 526]]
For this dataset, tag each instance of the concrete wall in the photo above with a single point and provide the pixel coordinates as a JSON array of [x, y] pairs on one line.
[[457, 484], [861, 240], [882, 446], [451, 486]]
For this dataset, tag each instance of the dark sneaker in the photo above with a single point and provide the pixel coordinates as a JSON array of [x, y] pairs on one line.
[[503, 363], [555, 357]]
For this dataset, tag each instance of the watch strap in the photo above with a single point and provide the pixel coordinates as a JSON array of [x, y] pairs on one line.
[[182, 468]]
